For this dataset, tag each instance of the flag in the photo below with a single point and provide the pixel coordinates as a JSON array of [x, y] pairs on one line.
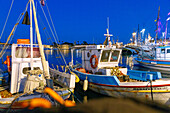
[[168, 19], [26, 19], [169, 13], [42, 2]]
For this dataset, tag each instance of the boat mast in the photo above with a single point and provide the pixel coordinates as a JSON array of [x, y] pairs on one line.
[[44, 63], [31, 36], [166, 31], [157, 25], [108, 35], [138, 40]]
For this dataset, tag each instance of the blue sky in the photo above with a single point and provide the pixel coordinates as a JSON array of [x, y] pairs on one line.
[[86, 20]]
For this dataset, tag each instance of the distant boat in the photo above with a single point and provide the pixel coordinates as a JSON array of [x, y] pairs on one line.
[[100, 72], [161, 60]]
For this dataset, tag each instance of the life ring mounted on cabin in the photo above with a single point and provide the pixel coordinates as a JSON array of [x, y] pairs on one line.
[[96, 61]]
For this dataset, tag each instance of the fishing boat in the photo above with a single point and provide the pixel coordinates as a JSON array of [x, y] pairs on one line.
[[159, 56], [160, 61], [100, 72], [29, 74]]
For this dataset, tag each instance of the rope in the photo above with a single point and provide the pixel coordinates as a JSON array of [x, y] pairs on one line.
[[52, 23], [7, 18], [12, 32], [47, 34], [46, 19], [75, 96], [14, 101], [52, 31]]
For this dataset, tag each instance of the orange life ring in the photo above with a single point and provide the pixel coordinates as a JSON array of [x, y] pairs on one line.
[[96, 61]]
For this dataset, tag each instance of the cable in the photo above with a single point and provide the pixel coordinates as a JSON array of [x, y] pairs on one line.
[[12, 32], [53, 33], [52, 23], [7, 18]]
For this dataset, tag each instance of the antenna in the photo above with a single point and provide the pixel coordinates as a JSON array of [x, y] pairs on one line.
[[107, 35], [108, 23]]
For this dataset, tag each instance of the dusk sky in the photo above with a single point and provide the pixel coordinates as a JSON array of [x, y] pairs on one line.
[[86, 20]]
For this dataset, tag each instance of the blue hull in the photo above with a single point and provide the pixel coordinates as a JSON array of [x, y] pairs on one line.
[[104, 80], [98, 79], [154, 64]]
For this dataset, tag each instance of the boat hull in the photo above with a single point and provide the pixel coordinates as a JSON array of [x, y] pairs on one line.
[[160, 88], [158, 96], [5, 103], [163, 65]]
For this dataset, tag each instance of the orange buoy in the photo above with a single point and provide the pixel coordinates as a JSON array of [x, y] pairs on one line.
[[33, 103], [7, 62], [58, 98], [39, 102]]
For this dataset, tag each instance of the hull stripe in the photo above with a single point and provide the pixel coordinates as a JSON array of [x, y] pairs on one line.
[[130, 86]]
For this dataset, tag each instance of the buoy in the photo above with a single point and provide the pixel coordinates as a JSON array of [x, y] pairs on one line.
[[77, 79], [7, 62], [85, 85], [39, 102], [58, 98], [33, 103]]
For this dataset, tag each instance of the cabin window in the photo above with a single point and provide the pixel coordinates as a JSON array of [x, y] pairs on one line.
[[162, 50], [115, 55], [105, 56], [24, 71], [168, 50], [25, 52]]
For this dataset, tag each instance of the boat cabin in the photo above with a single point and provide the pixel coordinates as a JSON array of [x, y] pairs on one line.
[[100, 59], [21, 64], [95, 58], [162, 53]]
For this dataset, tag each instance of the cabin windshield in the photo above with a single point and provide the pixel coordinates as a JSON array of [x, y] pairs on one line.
[[25, 52], [105, 56], [115, 56]]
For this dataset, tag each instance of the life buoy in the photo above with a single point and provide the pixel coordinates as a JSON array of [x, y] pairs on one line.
[[96, 61], [7, 62]]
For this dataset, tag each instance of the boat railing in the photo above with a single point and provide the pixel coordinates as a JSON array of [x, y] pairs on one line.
[[63, 77]]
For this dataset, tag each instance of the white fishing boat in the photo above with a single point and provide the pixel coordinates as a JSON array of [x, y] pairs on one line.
[[160, 61], [30, 74], [159, 56], [101, 73]]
